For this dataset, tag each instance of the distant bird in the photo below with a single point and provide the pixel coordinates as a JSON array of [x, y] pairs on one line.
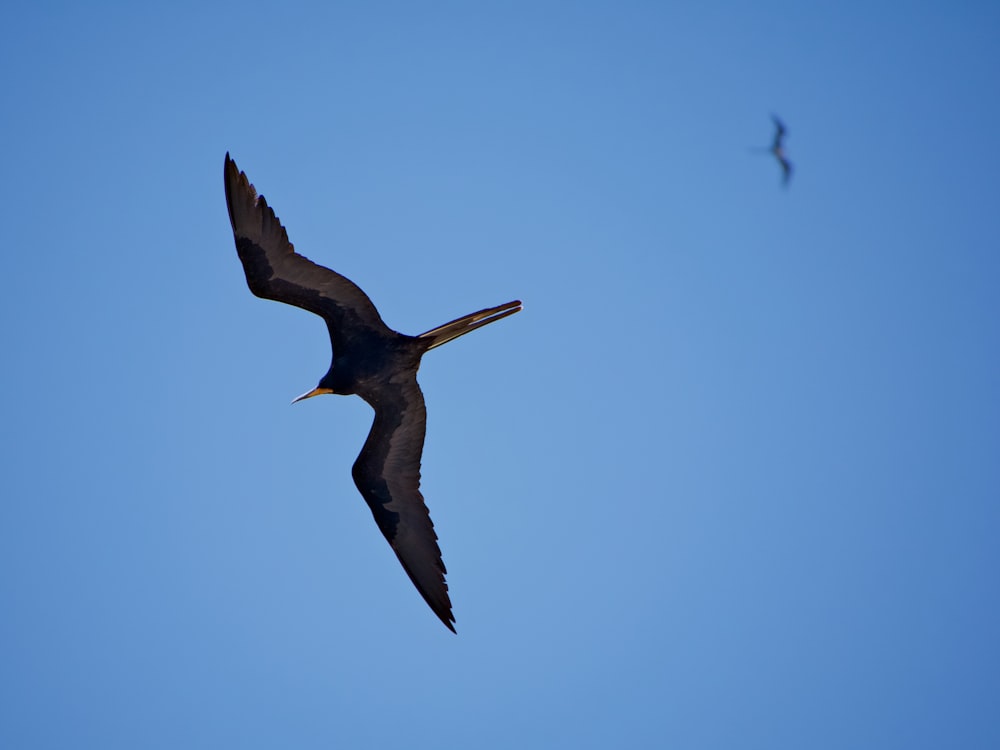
[[778, 149], [370, 360]]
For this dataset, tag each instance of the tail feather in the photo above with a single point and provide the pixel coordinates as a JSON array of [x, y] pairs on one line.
[[465, 324]]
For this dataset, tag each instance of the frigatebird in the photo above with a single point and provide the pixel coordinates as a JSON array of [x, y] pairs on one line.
[[778, 149], [370, 360]]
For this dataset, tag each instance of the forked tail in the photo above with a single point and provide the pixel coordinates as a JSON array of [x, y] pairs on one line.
[[465, 324]]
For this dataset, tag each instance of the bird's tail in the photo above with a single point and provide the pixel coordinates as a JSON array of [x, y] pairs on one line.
[[465, 324]]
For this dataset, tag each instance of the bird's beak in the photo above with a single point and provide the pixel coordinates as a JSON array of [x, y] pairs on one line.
[[313, 392]]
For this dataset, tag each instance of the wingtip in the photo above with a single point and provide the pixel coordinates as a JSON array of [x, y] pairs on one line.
[[448, 619], [235, 176], [231, 168]]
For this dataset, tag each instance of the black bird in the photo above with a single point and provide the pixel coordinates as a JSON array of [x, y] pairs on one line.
[[370, 360], [778, 149]]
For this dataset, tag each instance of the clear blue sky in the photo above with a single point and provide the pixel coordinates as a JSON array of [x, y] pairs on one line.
[[730, 480]]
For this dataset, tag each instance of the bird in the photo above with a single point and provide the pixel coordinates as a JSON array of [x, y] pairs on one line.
[[369, 360], [778, 149]]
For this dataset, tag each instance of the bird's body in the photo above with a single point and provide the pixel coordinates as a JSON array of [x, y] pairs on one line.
[[778, 149], [369, 360]]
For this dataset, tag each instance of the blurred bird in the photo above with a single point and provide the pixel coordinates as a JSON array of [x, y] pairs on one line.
[[778, 149], [369, 360]]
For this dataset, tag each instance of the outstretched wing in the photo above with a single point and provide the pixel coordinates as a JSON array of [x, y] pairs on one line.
[[779, 131], [275, 271], [387, 474], [786, 170]]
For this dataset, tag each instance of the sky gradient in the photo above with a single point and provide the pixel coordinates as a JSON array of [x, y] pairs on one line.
[[731, 478]]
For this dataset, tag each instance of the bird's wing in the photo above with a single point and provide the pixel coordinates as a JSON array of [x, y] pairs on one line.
[[387, 473], [780, 131], [786, 170], [275, 271]]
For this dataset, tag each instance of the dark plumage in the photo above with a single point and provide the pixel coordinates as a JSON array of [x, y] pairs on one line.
[[778, 149], [369, 360]]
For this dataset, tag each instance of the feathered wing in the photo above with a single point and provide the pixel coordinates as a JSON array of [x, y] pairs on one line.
[[387, 474], [275, 271], [786, 169], [780, 131]]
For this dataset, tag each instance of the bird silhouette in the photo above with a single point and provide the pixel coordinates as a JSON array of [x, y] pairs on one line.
[[369, 360], [778, 149]]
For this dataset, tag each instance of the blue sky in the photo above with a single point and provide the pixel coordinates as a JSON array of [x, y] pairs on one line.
[[730, 479]]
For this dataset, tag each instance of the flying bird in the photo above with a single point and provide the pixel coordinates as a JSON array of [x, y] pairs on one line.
[[778, 149], [369, 360]]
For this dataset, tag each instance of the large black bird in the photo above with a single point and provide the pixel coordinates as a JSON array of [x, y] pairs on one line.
[[370, 360]]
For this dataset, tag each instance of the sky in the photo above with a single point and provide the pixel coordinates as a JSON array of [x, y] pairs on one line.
[[731, 479]]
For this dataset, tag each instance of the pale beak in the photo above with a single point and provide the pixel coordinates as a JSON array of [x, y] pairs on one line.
[[313, 392]]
